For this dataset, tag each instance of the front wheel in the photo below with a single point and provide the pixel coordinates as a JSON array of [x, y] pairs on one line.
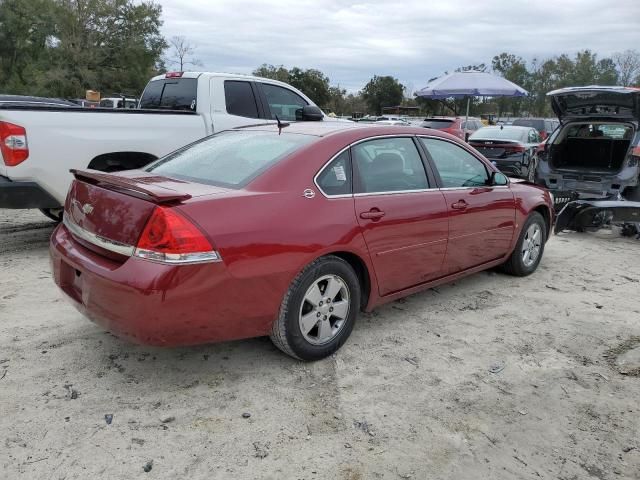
[[318, 311], [526, 256]]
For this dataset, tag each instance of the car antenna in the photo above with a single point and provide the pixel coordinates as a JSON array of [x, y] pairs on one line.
[[281, 125]]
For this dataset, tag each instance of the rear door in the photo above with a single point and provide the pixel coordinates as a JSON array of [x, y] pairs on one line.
[[402, 214], [235, 103], [481, 217]]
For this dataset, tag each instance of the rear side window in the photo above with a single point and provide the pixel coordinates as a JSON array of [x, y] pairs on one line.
[[240, 99], [229, 159], [171, 94], [335, 179], [282, 101], [388, 165]]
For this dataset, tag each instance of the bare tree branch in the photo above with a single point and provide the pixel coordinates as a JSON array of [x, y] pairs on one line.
[[182, 53], [628, 64]]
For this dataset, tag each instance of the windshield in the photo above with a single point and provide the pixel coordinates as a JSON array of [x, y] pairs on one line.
[[437, 124], [229, 159], [493, 133], [528, 122]]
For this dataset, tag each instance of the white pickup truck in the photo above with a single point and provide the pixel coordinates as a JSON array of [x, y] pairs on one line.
[[39, 145]]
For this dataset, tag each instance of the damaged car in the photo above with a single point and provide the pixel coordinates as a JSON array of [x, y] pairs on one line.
[[591, 163]]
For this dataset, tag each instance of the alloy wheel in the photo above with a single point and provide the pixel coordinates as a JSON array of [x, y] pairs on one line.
[[324, 309]]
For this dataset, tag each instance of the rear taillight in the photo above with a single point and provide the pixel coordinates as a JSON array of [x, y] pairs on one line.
[[634, 158], [515, 149], [543, 135], [13, 144], [168, 237]]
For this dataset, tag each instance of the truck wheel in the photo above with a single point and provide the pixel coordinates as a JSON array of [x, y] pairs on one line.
[[54, 214], [318, 311], [526, 257]]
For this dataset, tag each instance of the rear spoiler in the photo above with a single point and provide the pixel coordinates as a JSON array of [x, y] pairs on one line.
[[142, 187]]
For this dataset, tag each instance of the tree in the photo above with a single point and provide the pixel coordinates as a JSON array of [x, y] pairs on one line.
[[514, 69], [182, 53], [384, 91], [271, 71], [313, 83], [63, 47], [628, 65]]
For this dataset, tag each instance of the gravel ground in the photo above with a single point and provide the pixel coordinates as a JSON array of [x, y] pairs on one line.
[[491, 377]]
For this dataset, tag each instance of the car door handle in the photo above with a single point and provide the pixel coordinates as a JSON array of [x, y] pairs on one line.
[[373, 214], [460, 205]]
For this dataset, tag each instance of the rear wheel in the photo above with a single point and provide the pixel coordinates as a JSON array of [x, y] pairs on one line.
[[526, 256], [318, 311], [54, 214]]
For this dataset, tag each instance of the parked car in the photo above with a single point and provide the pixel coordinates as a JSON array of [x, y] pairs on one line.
[[40, 147], [544, 126], [254, 232], [9, 101], [117, 102], [456, 126], [391, 120], [594, 156], [512, 149]]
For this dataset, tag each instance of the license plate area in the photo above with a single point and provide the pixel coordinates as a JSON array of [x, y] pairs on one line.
[[71, 281]]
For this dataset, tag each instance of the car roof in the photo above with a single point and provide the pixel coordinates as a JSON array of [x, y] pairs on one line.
[[505, 127], [329, 128]]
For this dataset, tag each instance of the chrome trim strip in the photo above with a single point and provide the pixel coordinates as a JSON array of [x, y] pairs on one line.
[[368, 194], [98, 240]]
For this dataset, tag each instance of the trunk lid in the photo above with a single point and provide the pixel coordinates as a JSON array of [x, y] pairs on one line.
[[495, 148], [596, 102], [109, 211]]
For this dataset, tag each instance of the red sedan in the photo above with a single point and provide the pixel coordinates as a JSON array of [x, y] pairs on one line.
[[254, 232]]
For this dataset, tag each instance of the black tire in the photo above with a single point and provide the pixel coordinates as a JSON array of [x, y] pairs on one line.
[[632, 193], [516, 265], [286, 333], [54, 214]]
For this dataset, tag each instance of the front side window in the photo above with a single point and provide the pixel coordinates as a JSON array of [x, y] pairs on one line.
[[388, 165], [456, 166], [229, 159], [335, 179], [239, 98], [282, 101]]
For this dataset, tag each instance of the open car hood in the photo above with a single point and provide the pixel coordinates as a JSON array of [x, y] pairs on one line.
[[596, 102]]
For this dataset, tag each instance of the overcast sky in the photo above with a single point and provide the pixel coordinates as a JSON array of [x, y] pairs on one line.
[[413, 40]]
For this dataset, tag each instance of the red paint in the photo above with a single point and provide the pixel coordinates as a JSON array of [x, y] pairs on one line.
[[268, 232]]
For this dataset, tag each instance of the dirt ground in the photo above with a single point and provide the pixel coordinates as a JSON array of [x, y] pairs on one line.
[[492, 377]]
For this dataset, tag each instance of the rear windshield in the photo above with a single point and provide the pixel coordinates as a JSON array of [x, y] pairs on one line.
[[170, 94], [437, 124], [492, 133], [229, 159], [528, 122]]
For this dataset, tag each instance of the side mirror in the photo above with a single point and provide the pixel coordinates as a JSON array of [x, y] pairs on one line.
[[309, 113], [498, 179]]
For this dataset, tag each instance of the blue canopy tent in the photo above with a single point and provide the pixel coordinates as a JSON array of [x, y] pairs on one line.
[[470, 83]]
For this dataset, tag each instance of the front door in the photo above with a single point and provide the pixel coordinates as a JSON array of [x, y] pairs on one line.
[[403, 218], [481, 217]]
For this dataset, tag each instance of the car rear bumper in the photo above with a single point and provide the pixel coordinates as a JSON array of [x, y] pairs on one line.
[[155, 304], [24, 195], [511, 168]]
